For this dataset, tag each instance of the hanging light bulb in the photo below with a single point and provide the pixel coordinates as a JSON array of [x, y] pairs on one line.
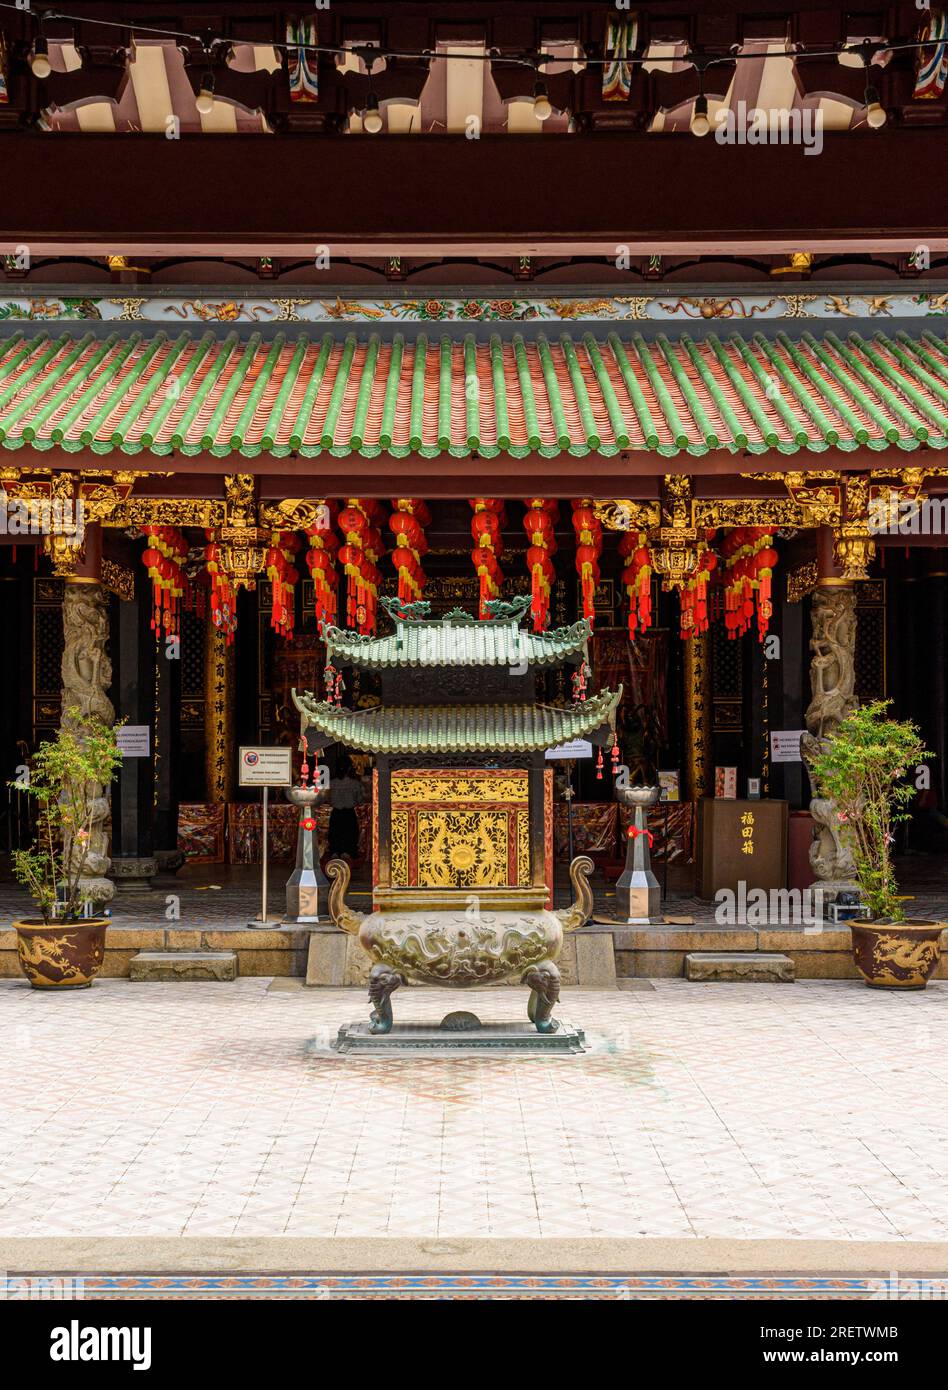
[[205, 97], [875, 111], [372, 117], [542, 107], [39, 58], [700, 125]]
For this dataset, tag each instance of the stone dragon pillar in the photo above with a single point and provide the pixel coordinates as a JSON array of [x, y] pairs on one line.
[[86, 677], [832, 682]]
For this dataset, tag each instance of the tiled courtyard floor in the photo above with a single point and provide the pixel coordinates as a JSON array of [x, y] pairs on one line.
[[812, 1110]]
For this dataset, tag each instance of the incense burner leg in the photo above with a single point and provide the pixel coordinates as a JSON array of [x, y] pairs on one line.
[[383, 980], [544, 982]]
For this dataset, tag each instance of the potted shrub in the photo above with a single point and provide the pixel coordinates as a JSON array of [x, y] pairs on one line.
[[64, 946], [862, 769]]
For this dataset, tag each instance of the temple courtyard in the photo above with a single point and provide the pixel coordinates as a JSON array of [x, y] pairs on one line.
[[741, 1112]]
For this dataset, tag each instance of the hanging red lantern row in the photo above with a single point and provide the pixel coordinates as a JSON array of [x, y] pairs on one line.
[[360, 521], [539, 522], [321, 559], [164, 558], [637, 578], [765, 561], [223, 594], [749, 559], [588, 531], [694, 591], [407, 524], [284, 577], [486, 527]]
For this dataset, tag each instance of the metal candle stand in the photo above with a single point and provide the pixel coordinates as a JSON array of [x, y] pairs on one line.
[[307, 888], [638, 893]]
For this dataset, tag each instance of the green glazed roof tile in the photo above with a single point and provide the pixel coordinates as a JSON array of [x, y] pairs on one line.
[[446, 396], [458, 728], [474, 643]]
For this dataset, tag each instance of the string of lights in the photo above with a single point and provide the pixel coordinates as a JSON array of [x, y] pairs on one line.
[[371, 53]]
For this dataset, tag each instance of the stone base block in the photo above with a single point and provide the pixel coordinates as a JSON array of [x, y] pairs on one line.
[[183, 965], [502, 1039], [133, 874], [326, 958], [755, 967], [595, 959]]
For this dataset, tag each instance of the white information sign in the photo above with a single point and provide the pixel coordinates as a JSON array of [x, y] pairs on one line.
[[133, 740], [265, 767], [785, 745], [576, 748]]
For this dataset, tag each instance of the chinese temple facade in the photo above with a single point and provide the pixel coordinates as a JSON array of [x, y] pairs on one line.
[[684, 400]]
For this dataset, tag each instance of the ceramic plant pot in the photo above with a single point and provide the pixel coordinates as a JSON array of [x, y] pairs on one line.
[[61, 955], [896, 955]]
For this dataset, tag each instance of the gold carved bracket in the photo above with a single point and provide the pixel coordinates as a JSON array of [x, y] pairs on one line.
[[240, 499], [292, 514], [622, 514], [203, 512], [677, 500], [775, 512]]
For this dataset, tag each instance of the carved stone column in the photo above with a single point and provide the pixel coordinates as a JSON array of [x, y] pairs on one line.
[[87, 675], [832, 682]]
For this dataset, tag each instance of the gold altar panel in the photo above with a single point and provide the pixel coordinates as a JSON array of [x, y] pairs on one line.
[[460, 786], [462, 849], [467, 829]]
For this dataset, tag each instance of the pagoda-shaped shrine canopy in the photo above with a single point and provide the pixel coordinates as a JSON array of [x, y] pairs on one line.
[[458, 684]]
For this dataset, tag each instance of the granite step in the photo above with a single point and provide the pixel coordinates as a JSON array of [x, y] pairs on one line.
[[183, 965], [746, 967]]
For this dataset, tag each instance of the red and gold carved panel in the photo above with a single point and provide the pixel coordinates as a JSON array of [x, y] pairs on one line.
[[461, 829], [375, 825]]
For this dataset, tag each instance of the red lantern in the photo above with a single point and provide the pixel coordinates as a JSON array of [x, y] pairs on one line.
[[164, 558], [587, 565], [486, 525], [749, 561], [637, 578], [284, 577], [539, 526], [588, 531], [407, 525], [324, 543], [363, 548]]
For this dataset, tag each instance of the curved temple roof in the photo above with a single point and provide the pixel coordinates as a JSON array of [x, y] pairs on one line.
[[458, 728], [448, 396], [459, 643]]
